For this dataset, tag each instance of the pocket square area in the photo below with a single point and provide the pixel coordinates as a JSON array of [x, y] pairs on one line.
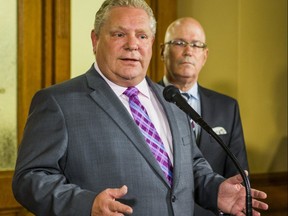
[[219, 130]]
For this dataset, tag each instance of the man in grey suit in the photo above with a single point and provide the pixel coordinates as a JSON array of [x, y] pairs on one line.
[[82, 153], [182, 65]]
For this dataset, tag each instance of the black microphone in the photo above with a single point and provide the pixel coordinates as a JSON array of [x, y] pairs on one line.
[[172, 94]]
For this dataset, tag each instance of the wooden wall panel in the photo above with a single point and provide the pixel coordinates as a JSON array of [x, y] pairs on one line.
[[8, 205], [43, 59], [43, 49], [29, 56], [275, 185], [61, 48], [165, 12]]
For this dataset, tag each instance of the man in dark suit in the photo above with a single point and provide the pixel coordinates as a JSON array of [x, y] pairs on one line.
[[184, 54], [87, 151]]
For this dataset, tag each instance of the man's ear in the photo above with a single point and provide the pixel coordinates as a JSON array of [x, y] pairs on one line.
[[162, 47], [94, 39], [205, 55]]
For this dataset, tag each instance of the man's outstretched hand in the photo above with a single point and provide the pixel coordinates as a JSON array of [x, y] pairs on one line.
[[232, 197]]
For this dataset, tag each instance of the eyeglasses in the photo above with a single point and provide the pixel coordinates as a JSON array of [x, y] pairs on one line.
[[183, 44]]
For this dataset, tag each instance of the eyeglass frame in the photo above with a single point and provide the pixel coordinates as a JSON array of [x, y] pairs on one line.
[[184, 44]]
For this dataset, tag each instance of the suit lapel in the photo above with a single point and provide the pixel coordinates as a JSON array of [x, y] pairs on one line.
[[104, 96], [206, 107]]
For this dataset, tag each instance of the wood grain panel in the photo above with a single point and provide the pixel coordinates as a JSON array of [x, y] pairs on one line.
[[43, 59], [275, 185], [8, 205], [61, 46], [165, 12], [29, 56]]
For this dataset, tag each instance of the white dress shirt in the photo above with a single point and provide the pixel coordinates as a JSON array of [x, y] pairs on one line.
[[193, 101]]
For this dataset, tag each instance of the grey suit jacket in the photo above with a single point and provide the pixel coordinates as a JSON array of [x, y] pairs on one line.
[[219, 110], [79, 140]]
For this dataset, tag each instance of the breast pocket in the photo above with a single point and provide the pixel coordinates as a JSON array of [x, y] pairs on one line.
[[224, 137]]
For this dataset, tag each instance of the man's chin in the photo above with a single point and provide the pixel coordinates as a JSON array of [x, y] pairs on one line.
[[132, 76]]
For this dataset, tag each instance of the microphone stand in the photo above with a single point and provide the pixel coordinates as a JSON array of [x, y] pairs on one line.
[[172, 94], [246, 182]]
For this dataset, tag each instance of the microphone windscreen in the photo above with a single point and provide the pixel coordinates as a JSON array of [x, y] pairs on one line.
[[170, 92]]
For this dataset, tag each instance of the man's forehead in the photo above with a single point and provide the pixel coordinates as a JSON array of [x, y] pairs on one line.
[[121, 19], [185, 32]]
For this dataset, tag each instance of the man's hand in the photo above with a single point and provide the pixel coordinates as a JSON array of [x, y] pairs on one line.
[[106, 205], [232, 197]]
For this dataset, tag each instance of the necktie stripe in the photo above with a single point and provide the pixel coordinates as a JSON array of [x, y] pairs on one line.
[[142, 120], [149, 131]]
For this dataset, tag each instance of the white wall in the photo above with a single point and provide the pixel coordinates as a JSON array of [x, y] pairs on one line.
[[8, 83], [82, 21]]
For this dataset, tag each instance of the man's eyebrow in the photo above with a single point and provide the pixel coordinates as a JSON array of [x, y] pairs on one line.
[[179, 39], [121, 28]]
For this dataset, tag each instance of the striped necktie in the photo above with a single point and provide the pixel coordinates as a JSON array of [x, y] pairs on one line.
[[147, 128], [187, 96]]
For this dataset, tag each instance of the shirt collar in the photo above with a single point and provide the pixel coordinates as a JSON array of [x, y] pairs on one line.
[[142, 86], [192, 91]]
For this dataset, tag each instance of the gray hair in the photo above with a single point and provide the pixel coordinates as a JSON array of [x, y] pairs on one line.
[[109, 4]]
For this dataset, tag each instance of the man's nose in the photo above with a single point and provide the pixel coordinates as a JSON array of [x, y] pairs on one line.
[[132, 43], [188, 50]]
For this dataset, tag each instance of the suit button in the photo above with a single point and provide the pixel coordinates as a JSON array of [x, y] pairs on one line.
[[173, 198]]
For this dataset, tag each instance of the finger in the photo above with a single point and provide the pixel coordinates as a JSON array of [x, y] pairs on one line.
[[118, 192], [255, 213], [239, 176], [116, 206], [119, 207], [259, 205], [237, 179], [104, 202], [116, 214], [244, 213], [240, 214], [258, 194]]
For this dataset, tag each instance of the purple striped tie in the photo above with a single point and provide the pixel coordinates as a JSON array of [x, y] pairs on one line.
[[147, 128]]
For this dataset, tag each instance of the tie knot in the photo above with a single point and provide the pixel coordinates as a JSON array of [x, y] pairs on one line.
[[131, 92], [187, 96]]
